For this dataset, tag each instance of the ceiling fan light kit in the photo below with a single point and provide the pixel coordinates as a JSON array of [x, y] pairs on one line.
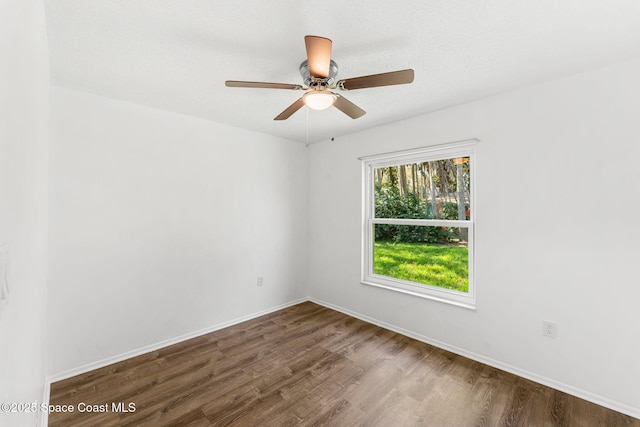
[[319, 99], [319, 75]]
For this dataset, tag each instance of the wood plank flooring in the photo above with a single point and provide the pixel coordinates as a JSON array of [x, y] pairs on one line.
[[311, 366]]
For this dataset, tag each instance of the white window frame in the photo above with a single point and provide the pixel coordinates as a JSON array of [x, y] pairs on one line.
[[450, 150]]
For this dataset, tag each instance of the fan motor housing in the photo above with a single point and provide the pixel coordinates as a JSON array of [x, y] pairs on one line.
[[313, 82]]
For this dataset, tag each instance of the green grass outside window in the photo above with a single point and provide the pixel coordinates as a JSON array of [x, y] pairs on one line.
[[444, 266]]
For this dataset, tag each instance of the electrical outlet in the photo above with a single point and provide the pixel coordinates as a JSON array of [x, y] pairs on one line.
[[549, 329], [260, 281]]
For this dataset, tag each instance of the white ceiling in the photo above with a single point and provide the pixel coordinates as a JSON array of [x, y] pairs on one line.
[[176, 55]]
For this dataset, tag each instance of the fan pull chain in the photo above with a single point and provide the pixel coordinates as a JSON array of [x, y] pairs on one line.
[[307, 108]]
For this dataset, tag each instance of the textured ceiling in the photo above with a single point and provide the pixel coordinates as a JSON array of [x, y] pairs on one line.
[[176, 55]]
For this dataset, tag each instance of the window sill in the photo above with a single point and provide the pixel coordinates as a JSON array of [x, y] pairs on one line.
[[468, 306]]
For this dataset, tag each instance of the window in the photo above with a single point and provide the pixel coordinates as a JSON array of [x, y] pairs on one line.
[[418, 222]]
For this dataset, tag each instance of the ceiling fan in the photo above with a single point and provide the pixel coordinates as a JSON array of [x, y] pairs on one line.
[[319, 74]]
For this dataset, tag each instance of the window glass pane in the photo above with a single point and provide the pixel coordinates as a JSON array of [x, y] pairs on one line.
[[436, 256], [424, 190]]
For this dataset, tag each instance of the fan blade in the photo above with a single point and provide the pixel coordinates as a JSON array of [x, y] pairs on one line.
[[318, 55], [348, 107], [385, 79], [290, 110], [238, 83]]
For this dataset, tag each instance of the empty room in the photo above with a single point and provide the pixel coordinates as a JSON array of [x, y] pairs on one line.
[[341, 213]]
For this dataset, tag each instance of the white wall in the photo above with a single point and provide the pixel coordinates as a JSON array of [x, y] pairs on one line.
[[161, 223], [557, 232], [24, 98]]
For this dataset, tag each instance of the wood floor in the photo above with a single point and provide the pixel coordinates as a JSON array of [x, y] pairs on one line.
[[311, 366]]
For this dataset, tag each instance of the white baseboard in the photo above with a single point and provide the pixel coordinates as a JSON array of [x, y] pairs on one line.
[[591, 397], [156, 346]]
